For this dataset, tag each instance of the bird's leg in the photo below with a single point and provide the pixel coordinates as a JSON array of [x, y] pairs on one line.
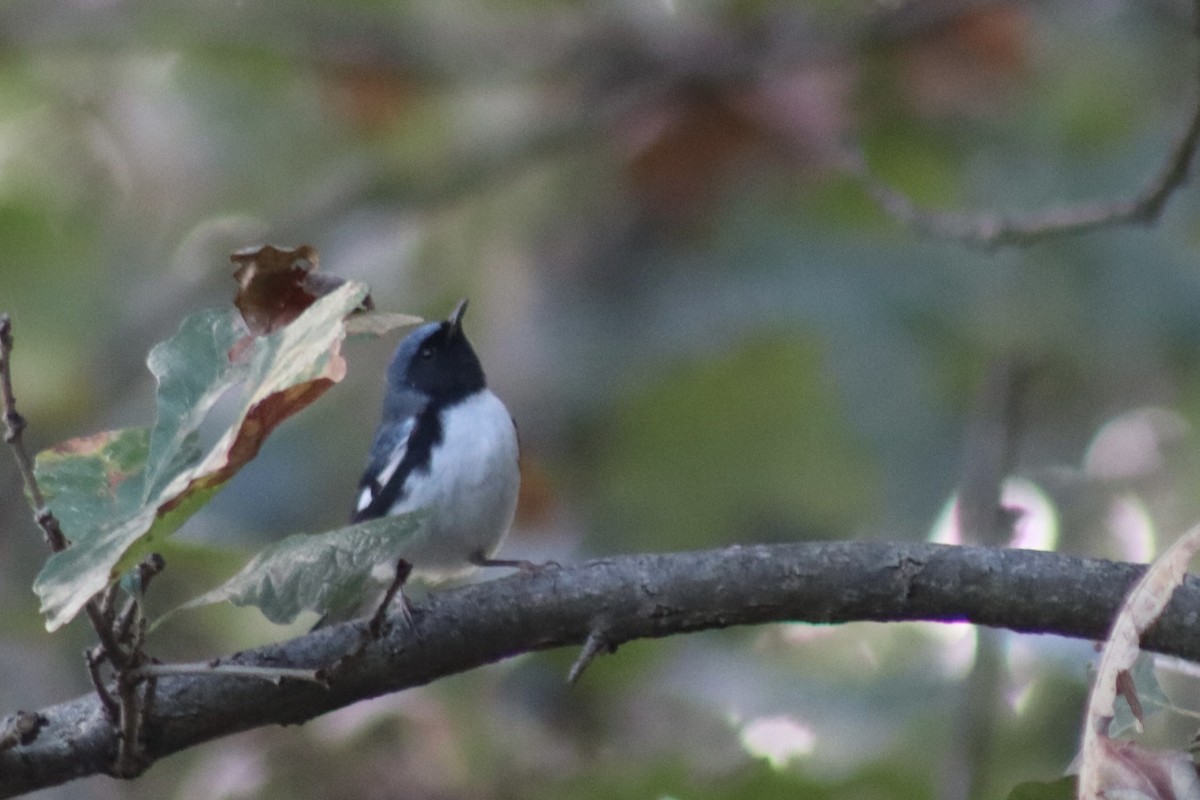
[[375, 626], [374, 630]]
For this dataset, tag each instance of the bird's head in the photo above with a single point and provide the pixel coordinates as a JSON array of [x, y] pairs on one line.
[[437, 360]]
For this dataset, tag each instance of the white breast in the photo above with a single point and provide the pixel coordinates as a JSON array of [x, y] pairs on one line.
[[470, 491]]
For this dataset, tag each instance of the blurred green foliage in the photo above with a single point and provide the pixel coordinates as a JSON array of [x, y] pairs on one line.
[[733, 449]]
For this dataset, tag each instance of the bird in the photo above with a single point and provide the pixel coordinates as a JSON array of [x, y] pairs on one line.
[[448, 446]]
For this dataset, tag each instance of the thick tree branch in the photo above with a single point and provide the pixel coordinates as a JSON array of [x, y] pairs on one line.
[[630, 597]]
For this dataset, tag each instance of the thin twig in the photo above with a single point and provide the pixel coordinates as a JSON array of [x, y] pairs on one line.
[[272, 674], [95, 657], [108, 604], [995, 230], [129, 616], [135, 710], [150, 566], [129, 750], [14, 425], [108, 641], [132, 759], [129, 708]]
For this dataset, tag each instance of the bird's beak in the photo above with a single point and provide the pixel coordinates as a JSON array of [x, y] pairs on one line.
[[456, 315]]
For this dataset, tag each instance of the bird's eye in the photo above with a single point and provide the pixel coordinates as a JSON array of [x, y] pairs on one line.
[[425, 353]]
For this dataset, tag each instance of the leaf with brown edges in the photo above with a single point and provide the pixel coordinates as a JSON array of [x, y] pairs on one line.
[[276, 285]]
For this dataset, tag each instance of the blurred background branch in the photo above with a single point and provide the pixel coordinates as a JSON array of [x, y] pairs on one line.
[[995, 230]]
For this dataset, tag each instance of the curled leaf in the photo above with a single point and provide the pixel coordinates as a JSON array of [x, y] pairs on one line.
[[276, 285], [1142, 607], [158, 479], [1110, 766]]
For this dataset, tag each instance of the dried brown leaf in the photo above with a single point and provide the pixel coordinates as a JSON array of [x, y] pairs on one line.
[[1128, 689], [276, 285], [1125, 769], [1142, 607]]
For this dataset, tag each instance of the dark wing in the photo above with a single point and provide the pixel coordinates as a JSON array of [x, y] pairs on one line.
[[386, 454], [397, 452]]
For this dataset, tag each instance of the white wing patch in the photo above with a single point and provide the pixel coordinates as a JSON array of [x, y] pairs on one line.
[[393, 464], [368, 493]]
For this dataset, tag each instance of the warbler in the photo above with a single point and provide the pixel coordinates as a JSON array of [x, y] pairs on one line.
[[446, 445]]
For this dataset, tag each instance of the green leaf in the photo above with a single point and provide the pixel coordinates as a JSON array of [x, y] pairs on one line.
[[193, 370], [93, 477], [329, 573], [118, 493]]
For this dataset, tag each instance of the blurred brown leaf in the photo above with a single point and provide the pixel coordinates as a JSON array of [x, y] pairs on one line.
[[1128, 689], [371, 97], [679, 151], [964, 65]]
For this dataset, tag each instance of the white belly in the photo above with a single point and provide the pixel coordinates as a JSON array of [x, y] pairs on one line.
[[470, 492]]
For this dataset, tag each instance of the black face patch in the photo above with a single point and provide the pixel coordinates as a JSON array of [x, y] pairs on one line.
[[444, 365]]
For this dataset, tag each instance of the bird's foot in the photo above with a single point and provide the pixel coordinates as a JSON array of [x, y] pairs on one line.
[[375, 626]]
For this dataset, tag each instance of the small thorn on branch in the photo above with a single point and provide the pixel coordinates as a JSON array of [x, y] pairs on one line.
[[597, 642]]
